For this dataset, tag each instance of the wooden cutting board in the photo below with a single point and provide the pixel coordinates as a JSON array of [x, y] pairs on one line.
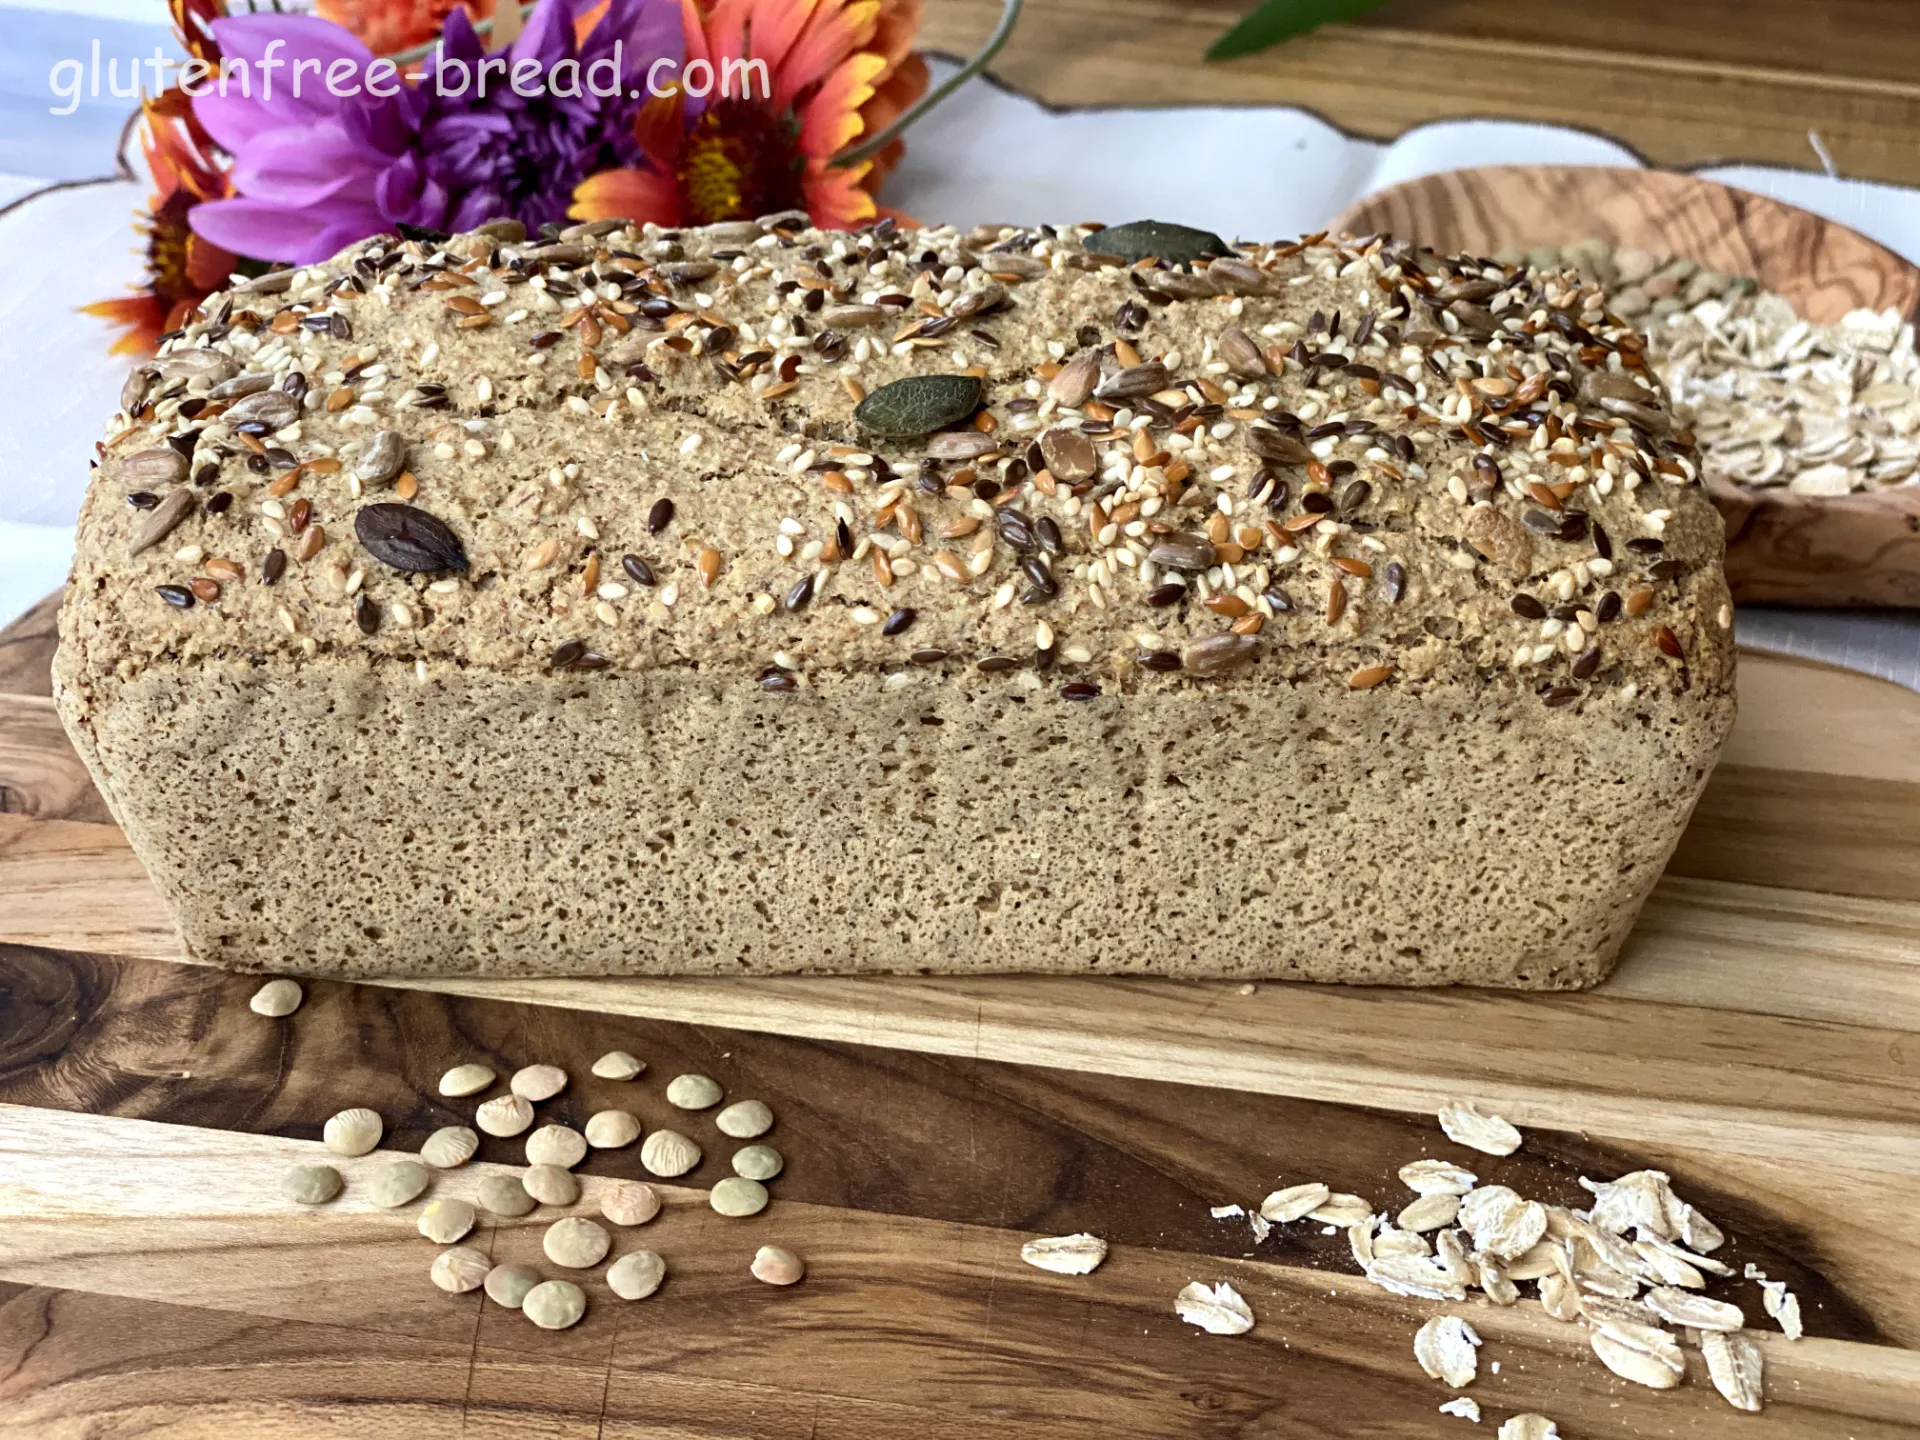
[[1857, 550], [1761, 1044]]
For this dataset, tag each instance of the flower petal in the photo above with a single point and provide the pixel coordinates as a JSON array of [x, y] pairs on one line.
[[832, 117], [279, 232], [836, 30], [304, 166], [627, 195]]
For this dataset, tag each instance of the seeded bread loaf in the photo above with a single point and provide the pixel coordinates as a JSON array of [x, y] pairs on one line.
[[753, 600]]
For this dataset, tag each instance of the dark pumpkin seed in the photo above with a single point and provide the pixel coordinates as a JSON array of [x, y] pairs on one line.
[[1159, 239], [408, 538], [919, 404]]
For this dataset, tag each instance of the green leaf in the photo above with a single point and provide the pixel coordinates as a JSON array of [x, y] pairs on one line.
[[1278, 20]]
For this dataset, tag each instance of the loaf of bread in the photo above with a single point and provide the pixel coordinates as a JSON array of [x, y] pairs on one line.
[[754, 599]]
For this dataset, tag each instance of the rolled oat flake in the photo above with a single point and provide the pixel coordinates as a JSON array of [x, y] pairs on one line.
[[466, 1080], [505, 1195], [629, 1202], [460, 1269], [738, 1196], [507, 1285], [276, 998], [449, 1146], [693, 1092], [637, 1275], [576, 1243], [618, 1065], [560, 1145], [757, 1162], [554, 1304], [744, 1120], [398, 1182], [446, 1220], [668, 1153], [551, 1184], [311, 1184], [353, 1132]]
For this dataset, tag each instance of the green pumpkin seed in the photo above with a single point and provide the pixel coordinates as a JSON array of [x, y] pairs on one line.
[[919, 405], [1157, 238]]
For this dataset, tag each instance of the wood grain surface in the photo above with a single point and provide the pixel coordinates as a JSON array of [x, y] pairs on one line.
[[1782, 548], [1757, 1044], [1703, 82]]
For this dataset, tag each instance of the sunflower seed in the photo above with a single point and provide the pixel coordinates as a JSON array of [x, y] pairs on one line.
[[618, 1065], [1448, 1350], [744, 1120], [737, 1196], [668, 1154], [693, 1092], [507, 1285], [273, 409], [133, 393], [161, 522], [276, 998], [852, 317], [1065, 1254], [538, 1082], [560, 1145], [1218, 1310], [777, 1265], [311, 1184], [960, 445], [1140, 239], [1133, 381], [1296, 1202], [1735, 1366], [384, 456], [505, 1195], [758, 1162], [919, 405], [1072, 386], [1465, 1125], [1183, 550], [466, 1080], [1242, 355], [636, 1275], [551, 1184], [1233, 276], [450, 1146], [576, 1243], [629, 1202], [554, 1304], [445, 1219], [460, 1269], [151, 469], [352, 1132], [504, 1115]]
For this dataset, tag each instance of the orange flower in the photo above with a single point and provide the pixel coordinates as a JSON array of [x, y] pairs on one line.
[[182, 268], [387, 27], [822, 73]]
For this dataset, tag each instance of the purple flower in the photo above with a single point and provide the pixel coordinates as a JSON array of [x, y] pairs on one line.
[[319, 165]]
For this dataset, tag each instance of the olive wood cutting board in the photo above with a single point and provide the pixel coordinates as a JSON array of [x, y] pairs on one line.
[[1761, 1044], [1782, 548]]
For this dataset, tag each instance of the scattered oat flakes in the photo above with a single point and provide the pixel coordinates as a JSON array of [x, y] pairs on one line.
[[1465, 1125], [1529, 1426], [1464, 1406], [1218, 1310], [1448, 1350], [1735, 1366], [1294, 1203], [1065, 1254]]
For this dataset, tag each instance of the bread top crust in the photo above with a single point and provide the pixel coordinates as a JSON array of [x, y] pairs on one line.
[[1362, 465]]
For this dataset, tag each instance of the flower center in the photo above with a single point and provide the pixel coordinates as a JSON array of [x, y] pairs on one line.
[[167, 239], [740, 161]]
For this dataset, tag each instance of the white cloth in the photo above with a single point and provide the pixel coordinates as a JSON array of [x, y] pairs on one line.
[[986, 155]]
